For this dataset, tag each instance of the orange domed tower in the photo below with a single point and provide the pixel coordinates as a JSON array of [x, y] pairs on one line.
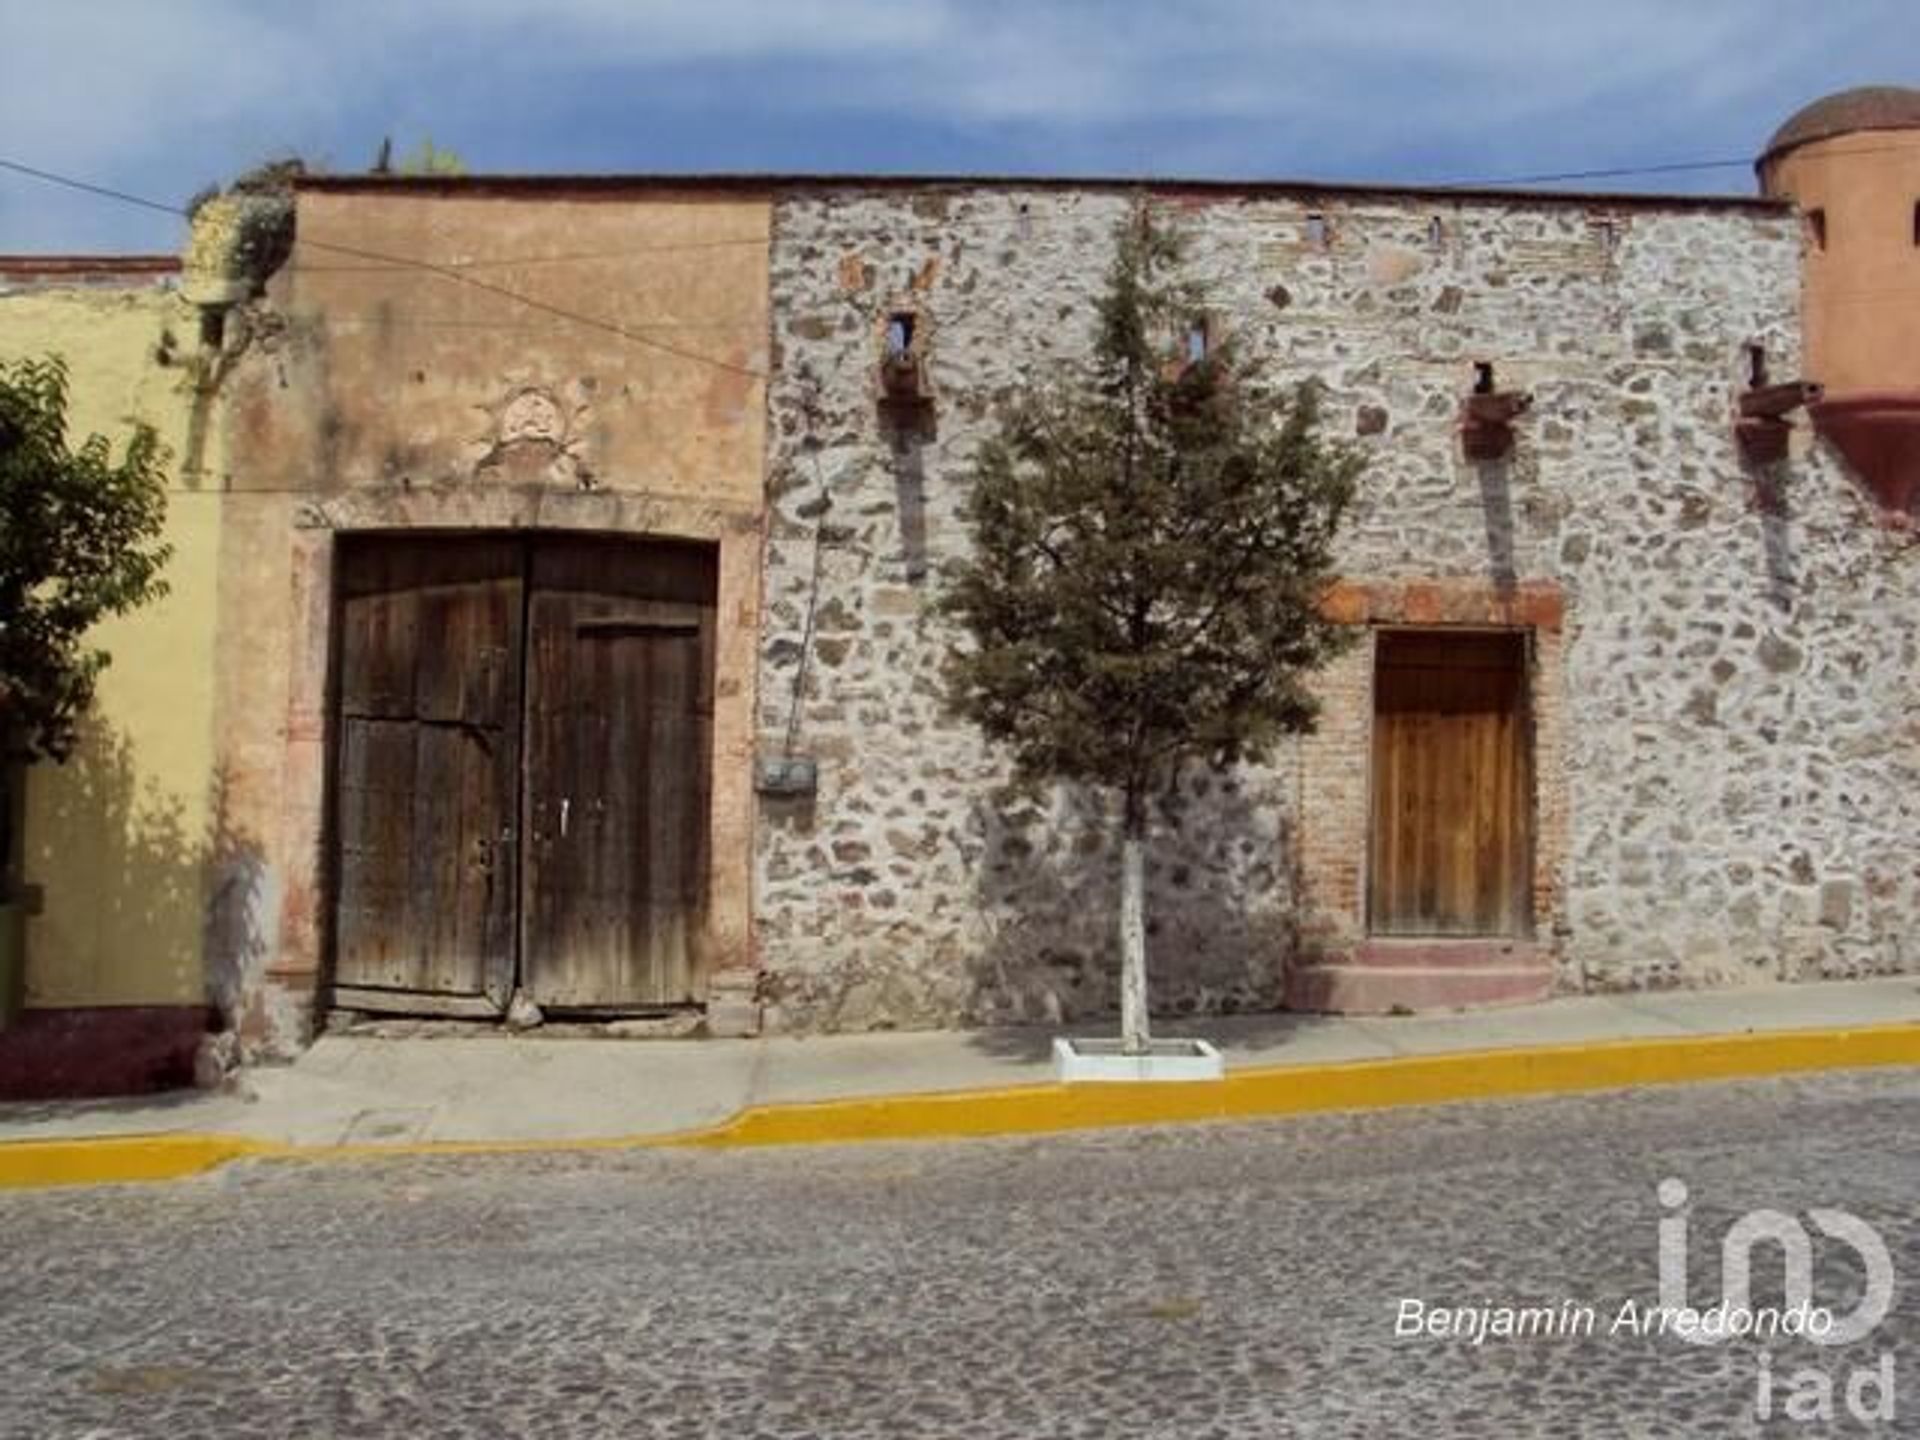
[[1851, 164]]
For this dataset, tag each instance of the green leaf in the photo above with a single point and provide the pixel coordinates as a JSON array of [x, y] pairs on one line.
[[80, 540]]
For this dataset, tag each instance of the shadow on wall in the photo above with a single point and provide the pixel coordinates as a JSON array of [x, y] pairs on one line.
[[1772, 501], [909, 465], [173, 908], [240, 907], [1496, 503], [120, 943], [1222, 918]]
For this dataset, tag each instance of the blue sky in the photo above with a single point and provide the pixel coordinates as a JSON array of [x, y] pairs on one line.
[[162, 97]]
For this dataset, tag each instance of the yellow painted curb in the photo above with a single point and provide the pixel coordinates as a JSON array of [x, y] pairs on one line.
[[117, 1159], [1244, 1094], [1298, 1089]]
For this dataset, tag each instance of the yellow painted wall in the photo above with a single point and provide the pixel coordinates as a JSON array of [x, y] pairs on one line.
[[118, 838]]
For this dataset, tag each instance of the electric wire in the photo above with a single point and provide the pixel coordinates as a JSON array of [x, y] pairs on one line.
[[1617, 173], [503, 262], [428, 266], [455, 270], [374, 261]]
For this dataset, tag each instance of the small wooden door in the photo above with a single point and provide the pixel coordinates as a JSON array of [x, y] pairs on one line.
[[619, 731], [1452, 786], [428, 770]]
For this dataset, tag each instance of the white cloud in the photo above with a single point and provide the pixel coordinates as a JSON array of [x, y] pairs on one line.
[[162, 96]]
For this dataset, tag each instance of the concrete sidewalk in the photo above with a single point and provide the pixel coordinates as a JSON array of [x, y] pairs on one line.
[[498, 1089]]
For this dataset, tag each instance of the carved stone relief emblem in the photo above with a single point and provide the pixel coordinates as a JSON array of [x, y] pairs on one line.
[[534, 435]]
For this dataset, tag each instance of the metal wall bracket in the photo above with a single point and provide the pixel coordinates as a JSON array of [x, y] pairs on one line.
[[787, 775]]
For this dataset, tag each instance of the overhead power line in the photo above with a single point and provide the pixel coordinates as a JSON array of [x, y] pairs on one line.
[[575, 257], [411, 321], [560, 311], [72, 184], [1618, 173], [407, 262], [1624, 172], [456, 270]]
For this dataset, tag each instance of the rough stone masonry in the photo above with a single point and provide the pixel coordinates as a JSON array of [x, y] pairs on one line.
[[1726, 746]]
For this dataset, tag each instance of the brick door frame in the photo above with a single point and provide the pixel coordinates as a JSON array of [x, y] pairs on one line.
[[1336, 763]]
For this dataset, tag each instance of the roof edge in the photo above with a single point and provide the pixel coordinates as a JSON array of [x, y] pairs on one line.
[[67, 264], [1861, 110], [772, 184], [1786, 147]]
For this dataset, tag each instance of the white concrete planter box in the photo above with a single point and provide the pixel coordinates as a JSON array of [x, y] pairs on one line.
[[1077, 1060]]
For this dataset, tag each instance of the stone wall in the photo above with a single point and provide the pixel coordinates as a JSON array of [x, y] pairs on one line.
[[1727, 795]]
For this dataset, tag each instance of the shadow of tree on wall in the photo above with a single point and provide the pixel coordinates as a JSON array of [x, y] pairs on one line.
[[146, 877], [1221, 899], [240, 907]]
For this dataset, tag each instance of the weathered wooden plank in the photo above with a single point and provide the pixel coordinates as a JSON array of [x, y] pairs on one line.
[[1451, 842], [618, 762], [427, 767], [451, 1007]]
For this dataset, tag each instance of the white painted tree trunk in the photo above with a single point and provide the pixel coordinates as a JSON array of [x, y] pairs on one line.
[[1133, 946]]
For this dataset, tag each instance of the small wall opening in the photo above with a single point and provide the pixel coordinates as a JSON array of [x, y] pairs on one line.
[[1197, 340]]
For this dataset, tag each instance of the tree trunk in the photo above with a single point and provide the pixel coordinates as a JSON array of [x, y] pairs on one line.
[[1133, 932]]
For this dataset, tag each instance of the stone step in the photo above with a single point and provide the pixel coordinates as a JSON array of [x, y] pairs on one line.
[[1370, 988], [1434, 953]]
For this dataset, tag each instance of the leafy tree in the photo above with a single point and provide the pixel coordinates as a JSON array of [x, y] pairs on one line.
[[79, 541], [1152, 534]]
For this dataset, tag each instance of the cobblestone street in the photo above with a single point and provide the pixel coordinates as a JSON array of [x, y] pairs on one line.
[[1210, 1281]]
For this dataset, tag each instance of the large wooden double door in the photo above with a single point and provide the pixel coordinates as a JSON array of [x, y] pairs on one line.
[[521, 772]]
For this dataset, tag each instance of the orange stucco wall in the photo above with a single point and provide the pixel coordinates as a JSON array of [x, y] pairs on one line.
[[644, 322], [391, 381], [1862, 295]]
